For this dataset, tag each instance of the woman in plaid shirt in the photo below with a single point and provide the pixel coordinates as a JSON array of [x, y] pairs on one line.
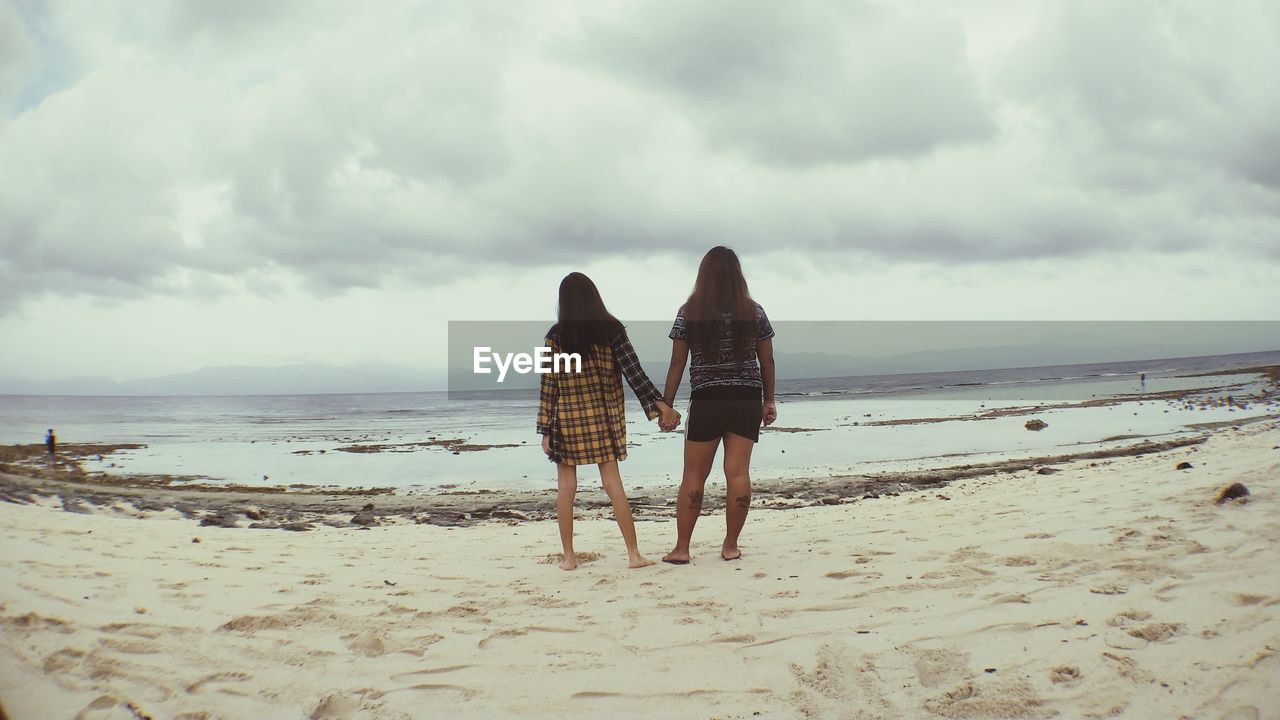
[[580, 414]]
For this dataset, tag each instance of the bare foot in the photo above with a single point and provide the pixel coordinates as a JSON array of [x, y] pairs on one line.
[[639, 561], [676, 558], [570, 562], [730, 553]]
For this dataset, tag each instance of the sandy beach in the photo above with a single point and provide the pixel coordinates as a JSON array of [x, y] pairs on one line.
[[1113, 587]]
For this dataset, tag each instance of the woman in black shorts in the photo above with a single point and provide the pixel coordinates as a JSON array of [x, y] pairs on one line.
[[732, 376]]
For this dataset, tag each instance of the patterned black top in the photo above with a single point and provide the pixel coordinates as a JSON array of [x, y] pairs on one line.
[[724, 370]]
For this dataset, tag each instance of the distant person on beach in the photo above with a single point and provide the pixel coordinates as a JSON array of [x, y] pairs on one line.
[[1142, 380], [732, 380], [580, 414], [51, 442]]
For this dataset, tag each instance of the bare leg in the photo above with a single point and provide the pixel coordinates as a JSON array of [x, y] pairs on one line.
[[737, 477], [698, 458], [567, 479], [611, 479]]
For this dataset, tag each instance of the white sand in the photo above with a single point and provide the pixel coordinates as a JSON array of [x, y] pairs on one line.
[[1118, 590]]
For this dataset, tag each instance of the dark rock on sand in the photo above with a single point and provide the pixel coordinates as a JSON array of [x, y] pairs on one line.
[[293, 526], [74, 504], [1234, 491], [1184, 466], [364, 518], [1036, 425], [1047, 471], [226, 521]]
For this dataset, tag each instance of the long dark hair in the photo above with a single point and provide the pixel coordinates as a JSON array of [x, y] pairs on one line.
[[719, 290], [582, 320]]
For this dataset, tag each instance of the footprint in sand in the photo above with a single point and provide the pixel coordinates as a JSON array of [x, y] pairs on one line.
[[256, 623], [336, 706], [1065, 675], [583, 557], [1125, 535], [369, 643], [133, 647], [218, 679], [1157, 632], [413, 675], [938, 666], [109, 707], [465, 693], [835, 684], [1128, 617], [1127, 667], [32, 621], [1002, 698], [521, 632], [62, 660]]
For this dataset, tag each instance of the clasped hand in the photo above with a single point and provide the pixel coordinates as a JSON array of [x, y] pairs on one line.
[[668, 418]]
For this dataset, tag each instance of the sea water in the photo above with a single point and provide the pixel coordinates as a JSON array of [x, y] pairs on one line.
[[295, 439]]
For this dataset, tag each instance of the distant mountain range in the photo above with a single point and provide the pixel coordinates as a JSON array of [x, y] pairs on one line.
[[304, 379], [798, 366]]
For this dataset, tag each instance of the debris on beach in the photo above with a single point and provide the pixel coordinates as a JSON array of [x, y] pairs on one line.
[[1036, 425], [1234, 491], [364, 519], [216, 520], [455, 446], [1184, 466]]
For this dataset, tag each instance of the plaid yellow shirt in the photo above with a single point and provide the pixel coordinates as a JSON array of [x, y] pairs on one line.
[[583, 413]]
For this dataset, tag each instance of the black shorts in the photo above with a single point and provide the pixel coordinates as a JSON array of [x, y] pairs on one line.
[[715, 411]]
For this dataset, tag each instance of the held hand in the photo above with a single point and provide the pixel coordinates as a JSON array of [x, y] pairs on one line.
[[770, 413], [668, 419], [546, 444]]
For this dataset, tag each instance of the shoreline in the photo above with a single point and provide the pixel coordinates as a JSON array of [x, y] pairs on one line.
[[26, 476], [304, 508]]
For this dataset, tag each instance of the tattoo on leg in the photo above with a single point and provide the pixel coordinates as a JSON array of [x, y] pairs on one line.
[[695, 499], [743, 501]]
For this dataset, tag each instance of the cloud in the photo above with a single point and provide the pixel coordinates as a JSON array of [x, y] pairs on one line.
[[1165, 107], [803, 83], [242, 147], [17, 55]]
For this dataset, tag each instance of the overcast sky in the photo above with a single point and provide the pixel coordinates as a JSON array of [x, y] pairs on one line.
[[239, 182]]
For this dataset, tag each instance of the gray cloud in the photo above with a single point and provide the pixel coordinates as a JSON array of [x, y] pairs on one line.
[[242, 145], [802, 83], [1165, 104]]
